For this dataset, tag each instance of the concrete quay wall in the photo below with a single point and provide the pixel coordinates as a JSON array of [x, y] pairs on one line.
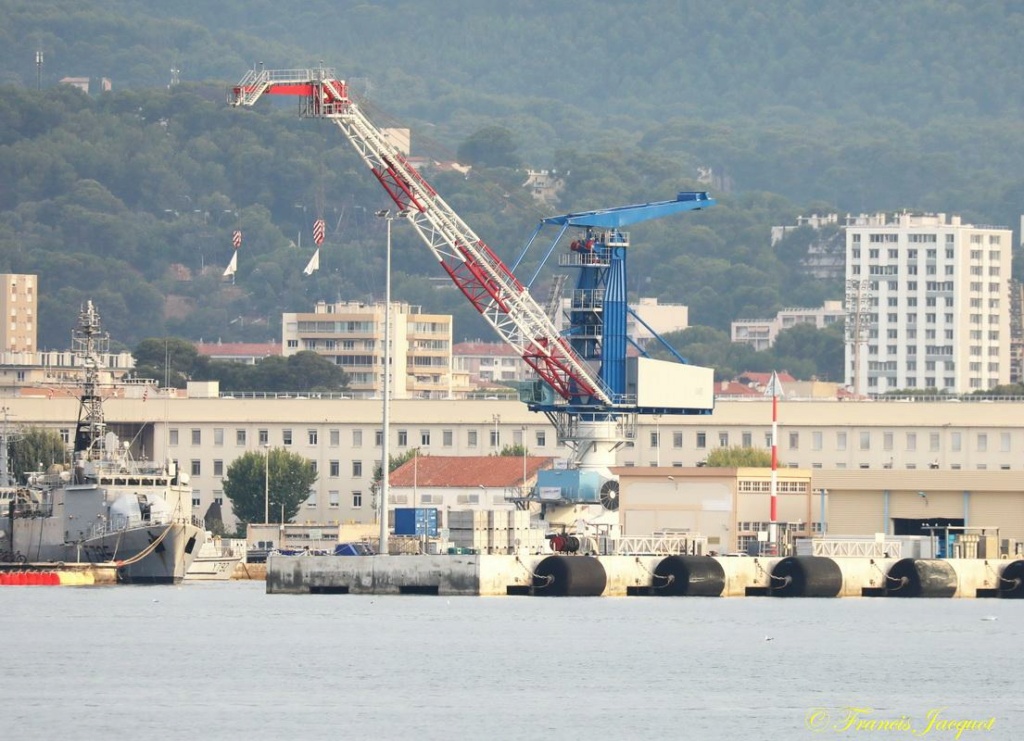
[[617, 576]]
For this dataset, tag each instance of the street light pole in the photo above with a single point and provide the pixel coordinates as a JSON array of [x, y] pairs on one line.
[[523, 442], [385, 458]]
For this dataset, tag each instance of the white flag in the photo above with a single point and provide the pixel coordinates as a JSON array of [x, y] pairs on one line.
[[774, 387], [314, 264], [232, 266]]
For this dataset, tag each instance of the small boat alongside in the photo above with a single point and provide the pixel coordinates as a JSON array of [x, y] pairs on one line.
[[217, 559]]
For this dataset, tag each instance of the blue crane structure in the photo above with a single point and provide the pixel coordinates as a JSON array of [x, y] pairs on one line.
[[588, 384], [598, 316]]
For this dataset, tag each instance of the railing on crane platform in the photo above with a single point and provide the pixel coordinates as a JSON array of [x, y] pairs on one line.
[[581, 260], [256, 81]]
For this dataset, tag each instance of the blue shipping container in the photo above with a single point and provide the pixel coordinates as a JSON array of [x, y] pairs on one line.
[[416, 521]]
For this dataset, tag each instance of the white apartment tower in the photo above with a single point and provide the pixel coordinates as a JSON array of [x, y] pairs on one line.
[[927, 304]]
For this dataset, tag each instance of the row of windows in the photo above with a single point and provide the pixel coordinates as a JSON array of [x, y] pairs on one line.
[[749, 486], [753, 526], [341, 327], [334, 468], [313, 437], [926, 238], [430, 327], [841, 440], [993, 271], [333, 498], [874, 254], [975, 350], [911, 285]]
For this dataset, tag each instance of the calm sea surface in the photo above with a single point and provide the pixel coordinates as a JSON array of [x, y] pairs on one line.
[[227, 661]]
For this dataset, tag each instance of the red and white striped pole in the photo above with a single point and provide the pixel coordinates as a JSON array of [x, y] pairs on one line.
[[775, 455], [773, 530]]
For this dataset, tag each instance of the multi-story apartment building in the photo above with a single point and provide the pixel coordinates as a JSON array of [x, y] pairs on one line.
[[761, 333], [18, 304], [932, 304], [490, 363], [351, 334]]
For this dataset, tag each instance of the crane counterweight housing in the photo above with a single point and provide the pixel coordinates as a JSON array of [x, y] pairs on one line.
[[592, 380]]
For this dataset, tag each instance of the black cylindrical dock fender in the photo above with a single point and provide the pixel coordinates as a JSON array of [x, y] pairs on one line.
[[920, 577], [688, 576], [806, 576], [569, 576], [1011, 581]]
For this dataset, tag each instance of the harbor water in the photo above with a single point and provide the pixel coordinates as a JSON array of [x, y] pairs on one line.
[[227, 661]]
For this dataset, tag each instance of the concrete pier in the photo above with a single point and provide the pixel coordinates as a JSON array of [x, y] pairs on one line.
[[620, 576]]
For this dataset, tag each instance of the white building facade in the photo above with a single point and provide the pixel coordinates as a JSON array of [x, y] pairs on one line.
[[931, 306], [343, 437], [351, 335]]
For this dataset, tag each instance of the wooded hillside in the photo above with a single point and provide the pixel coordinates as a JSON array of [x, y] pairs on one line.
[[794, 106]]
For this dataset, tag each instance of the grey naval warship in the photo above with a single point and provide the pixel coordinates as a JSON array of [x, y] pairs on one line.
[[109, 506]]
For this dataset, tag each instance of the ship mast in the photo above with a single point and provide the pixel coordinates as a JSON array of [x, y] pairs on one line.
[[6, 438], [89, 344]]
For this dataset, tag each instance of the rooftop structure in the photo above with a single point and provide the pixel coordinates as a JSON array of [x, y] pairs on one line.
[[247, 353]]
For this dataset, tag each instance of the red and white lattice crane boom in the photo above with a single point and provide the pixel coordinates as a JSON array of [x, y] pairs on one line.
[[489, 285]]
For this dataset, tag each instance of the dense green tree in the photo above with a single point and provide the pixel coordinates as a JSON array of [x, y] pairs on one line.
[[309, 371], [738, 457], [35, 449], [491, 146], [168, 360], [805, 351], [304, 371], [247, 485], [819, 352]]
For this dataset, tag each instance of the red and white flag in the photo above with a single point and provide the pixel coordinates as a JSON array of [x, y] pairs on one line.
[[318, 232], [236, 238]]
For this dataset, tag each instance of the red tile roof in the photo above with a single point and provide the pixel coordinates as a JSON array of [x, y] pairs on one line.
[[763, 379], [734, 388], [463, 472]]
